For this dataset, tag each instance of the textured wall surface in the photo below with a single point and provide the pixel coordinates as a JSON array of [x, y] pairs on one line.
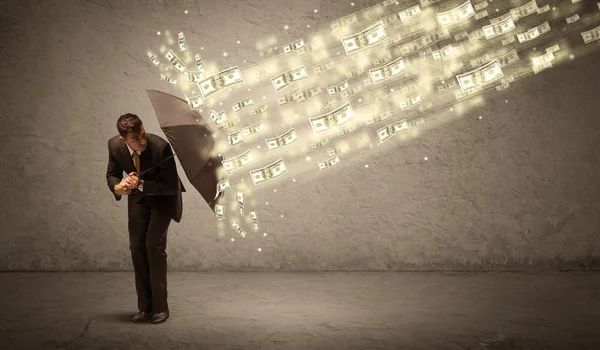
[[517, 189]]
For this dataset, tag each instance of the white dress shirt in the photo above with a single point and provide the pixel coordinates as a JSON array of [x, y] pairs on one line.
[[141, 182]]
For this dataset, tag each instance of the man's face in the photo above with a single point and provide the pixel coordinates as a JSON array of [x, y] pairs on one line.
[[137, 142]]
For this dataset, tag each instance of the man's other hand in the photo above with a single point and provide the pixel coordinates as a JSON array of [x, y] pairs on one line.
[[133, 180]]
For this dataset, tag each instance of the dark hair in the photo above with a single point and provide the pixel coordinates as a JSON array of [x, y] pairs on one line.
[[128, 123]]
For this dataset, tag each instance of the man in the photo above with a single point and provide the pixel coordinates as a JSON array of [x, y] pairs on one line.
[[153, 200]]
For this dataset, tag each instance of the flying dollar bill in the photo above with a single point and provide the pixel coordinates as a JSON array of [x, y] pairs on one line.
[[542, 62], [175, 61], [319, 143], [271, 171], [338, 88], [217, 117], [534, 32], [287, 138], [480, 6], [456, 15], [293, 46], [591, 35], [223, 186], [383, 115], [499, 28], [572, 19], [409, 13], [332, 119], [153, 58], [285, 99], [240, 197], [220, 211], [194, 77], [238, 229], [304, 95], [254, 219], [392, 129], [169, 79], [524, 11], [343, 22], [391, 69], [410, 102], [329, 162], [235, 138], [241, 104], [480, 77], [252, 129], [195, 102], [364, 39], [261, 109], [199, 63], [509, 58], [181, 42], [220, 81], [443, 52], [288, 78], [324, 67], [235, 163]]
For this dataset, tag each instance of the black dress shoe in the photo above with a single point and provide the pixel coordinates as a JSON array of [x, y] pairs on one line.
[[140, 316], [159, 317]]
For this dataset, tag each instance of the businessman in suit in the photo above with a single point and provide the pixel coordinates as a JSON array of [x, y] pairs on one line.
[[153, 200]]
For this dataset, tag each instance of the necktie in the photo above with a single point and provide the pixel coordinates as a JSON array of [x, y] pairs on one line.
[[136, 158]]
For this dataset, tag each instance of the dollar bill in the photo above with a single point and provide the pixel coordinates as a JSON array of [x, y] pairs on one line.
[[456, 15], [288, 78], [329, 162], [199, 63], [220, 81], [271, 171], [534, 32], [232, 164], [523, 11], [337, 88], [391, 69], [591, 35], [285, 99], [310, 47], [153, 58], [501, 18], [364, 39], [260, 109], [235, 138], [572, 19], [476, 35], [195, 102], [223, 186], [175, 61], [181, 42], [240, 197], [354, 73], [254, 219], [304, 95], [510, 40], [193, 77], [381, 116], [293, 46], [285, 139], [443, 52], [241, 104], [324, 67], [480, 6], [499, 28], [553, 48], [327, 121], [220, 211], [410, 102], [319, 144], [510, 57], [409, 13], [392, 129], [217, 117], [252, 129], [232, 123], [543, 9], [481, 14], [353, 90], [425, 3], [267, 51], [169, 79], [238, 229], [542, 62], [382, 60], [481, 76], [343, 22]]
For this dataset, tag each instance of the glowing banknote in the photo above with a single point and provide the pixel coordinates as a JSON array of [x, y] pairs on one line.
[[332, 119], [391, 69], [293, 46], [235, 163], [181, 42], [241, 104], [409, 13], [175, 61], [287, 138], [218, 117], [392, 129], [534, 32], [591, 35], [220, 81], [223, 186], [271, 171], [338, 88], [329, 162], [364, 39], [456, 15], [288, 78], [499, 28], [235, 138], [523, 11], [254, 219], [252, 129], [219, 211], [480, 77], [240, 197], [195, 102], [238, 229]]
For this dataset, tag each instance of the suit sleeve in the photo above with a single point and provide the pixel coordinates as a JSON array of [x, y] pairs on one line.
[[114, 173], [167, 181]]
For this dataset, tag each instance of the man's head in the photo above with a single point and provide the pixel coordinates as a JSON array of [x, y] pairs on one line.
[[132, 132]]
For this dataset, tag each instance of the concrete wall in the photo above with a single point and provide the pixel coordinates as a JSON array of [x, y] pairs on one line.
[[517, 189]]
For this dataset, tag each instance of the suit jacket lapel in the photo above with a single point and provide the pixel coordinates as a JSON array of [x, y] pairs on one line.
[[128, 160]]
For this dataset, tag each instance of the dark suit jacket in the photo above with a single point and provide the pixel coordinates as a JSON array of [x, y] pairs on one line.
[[161, 184]]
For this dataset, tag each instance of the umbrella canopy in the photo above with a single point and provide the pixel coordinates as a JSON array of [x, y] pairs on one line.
[[192, 141]]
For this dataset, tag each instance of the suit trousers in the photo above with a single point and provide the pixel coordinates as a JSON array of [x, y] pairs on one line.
[[148, 227]]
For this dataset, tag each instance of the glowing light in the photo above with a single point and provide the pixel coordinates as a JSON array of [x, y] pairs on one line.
[[366, 165], [351, 4], [258, 146], [275, 190], [308, 26], [294, 180], [233, 239], [220, 103], [225, 54], [425, 158], [267, 203], [360, 100], [506, 101], [307, 159], [479, 117], [259, 249], [157, 33], [185, 12], [316, 10], [286, 27], [238, 42], [201, 47], [249, 90], [281, 215], [264, 234]]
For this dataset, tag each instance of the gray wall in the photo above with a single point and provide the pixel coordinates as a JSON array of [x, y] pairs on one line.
[[517, 189]]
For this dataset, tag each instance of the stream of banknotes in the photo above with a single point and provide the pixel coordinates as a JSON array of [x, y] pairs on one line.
[[375, 73]]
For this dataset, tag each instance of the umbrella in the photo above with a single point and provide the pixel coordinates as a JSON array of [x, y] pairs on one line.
[[192, 141]]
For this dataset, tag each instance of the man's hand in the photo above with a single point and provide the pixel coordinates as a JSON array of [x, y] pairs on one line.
[[133, 180], [122, 188]]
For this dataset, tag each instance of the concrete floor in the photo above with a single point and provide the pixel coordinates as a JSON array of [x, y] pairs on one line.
[[312, 310]]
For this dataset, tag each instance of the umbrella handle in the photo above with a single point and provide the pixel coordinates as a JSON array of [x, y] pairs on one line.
[[169, 157]]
